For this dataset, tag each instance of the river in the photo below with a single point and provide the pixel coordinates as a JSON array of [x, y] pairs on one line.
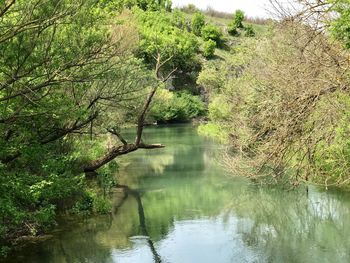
[[184, 208]]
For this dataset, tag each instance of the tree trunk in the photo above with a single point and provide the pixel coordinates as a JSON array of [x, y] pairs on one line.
[[115, 152]]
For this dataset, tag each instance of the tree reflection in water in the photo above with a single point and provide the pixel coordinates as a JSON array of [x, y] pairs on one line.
[[142, 219]]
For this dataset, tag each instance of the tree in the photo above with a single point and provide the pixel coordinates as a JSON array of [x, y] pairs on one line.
[[198, 22], [68, 79], [44, 76]]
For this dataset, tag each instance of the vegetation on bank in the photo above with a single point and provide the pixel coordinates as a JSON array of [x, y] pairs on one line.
[[73, 74], [282, 98]]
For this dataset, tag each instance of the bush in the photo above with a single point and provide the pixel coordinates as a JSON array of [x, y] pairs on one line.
[[219, 109], [212, 32], [198, 22], [238, 18], [249, 31], [176, 107], [209, 48], [212, 79], [159, 34], [232, 29]]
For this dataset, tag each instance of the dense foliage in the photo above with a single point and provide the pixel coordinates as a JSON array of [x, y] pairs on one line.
[[236, 26], [341, 26], [162, 32], [281, 100], [63, 68], [212, 32], [176, 107], [198, 22], [72, 75], [209, 48]]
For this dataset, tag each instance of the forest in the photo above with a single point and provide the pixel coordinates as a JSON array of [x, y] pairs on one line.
[[75, 74]]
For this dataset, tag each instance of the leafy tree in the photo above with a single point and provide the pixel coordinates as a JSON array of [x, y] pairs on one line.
[[198, 22], [236, 23], [67, 74]]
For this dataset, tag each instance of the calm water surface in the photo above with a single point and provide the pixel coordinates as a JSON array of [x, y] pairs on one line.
[[183, 208]]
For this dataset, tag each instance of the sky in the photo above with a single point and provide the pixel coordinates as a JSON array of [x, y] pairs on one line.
[[252, 8]]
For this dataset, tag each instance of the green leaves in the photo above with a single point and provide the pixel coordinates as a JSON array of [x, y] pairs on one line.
[[340, 27], [238, 18], [209, 48], [249, 31], [159, 33], [212, 32], [198, 22], [176, 107], [236, 26], [67, 70]]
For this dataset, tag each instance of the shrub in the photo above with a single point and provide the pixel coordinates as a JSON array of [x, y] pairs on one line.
[[209, 48], [238, 18], [249, 31], [232, 29], [198, 22], [212, 32], [176, 107], [159, 34]]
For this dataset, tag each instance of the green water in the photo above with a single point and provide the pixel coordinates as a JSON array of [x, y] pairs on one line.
[[185, 209]]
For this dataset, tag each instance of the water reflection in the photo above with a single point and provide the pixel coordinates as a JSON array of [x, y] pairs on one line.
[[183, 208], [142, 220]]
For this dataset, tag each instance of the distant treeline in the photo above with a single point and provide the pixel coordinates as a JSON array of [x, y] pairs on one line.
[[190, 9]]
